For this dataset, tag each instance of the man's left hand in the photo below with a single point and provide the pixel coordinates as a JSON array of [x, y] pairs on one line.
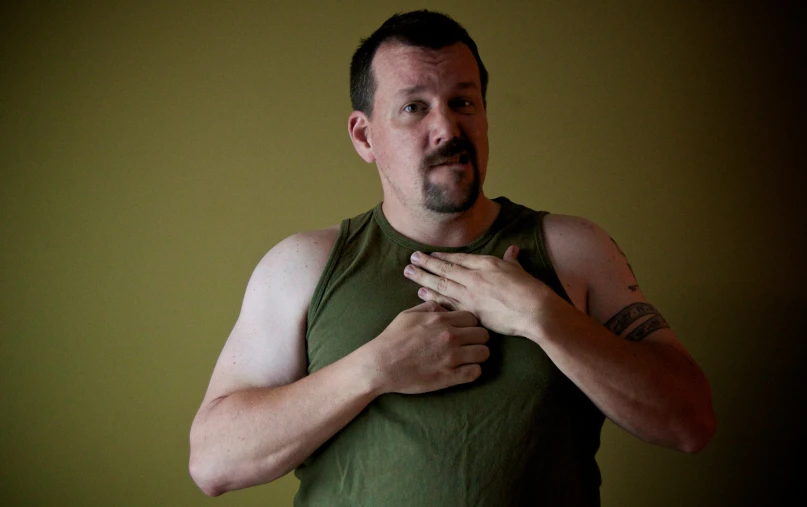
[[502, 295]]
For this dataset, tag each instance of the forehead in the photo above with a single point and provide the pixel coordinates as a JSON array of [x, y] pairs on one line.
[[397, 66]]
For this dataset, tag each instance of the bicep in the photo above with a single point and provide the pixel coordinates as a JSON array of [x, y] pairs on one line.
[[586, 253], [266, 346]]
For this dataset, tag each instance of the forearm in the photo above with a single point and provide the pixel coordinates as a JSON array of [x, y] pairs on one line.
[[650, 389], [254, 436]]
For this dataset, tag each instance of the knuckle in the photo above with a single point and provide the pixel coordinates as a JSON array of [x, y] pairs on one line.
[[447, 337], [441, 284]]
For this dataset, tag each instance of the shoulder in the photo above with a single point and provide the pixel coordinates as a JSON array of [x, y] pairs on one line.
[[585, 258], [571, 238], [577, 239], [284, 280], [301, 254], [304, 245]]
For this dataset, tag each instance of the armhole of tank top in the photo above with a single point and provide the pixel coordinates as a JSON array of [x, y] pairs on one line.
[[540, 243], [316, 298]]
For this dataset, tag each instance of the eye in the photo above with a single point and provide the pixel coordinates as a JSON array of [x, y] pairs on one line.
[[462, 104], [412, 108]]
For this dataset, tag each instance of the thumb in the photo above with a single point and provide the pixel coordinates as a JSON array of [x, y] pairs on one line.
[[511, 254], [428, 306]]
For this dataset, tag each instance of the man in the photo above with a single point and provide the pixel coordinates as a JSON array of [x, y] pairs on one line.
[[443, 348]]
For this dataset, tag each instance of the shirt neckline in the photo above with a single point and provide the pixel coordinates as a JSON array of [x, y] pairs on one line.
[[397, 237]]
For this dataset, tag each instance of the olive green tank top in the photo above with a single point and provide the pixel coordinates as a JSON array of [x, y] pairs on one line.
[[520, 435]]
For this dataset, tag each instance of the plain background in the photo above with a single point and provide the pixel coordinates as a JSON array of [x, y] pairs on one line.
[[152, 152]]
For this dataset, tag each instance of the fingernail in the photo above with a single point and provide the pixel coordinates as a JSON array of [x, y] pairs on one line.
[[422, 292], [415, 257], [409, 271]]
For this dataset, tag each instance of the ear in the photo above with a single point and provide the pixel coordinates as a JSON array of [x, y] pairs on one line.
[[358, 126]]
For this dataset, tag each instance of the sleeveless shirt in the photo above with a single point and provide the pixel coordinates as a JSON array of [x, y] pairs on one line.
[[522, 434]]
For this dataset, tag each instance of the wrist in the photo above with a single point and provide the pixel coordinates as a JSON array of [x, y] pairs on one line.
[[543, 308], [368, 370]]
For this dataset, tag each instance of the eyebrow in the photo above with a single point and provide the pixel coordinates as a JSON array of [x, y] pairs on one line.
[[412, 90]]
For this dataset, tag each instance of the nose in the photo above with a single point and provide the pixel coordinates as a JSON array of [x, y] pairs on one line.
[[444, 125]]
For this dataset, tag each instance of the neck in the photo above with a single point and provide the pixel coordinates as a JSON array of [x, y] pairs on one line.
[[442, 229]]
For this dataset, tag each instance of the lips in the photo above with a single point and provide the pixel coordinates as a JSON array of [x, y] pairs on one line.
[[462, 158]]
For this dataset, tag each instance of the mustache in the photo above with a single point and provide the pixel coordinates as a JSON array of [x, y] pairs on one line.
[[457, 146]]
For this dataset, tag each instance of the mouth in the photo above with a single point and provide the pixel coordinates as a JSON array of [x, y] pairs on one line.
[[460, 159]]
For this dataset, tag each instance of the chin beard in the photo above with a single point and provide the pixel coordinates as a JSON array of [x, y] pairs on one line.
[[440, 200]]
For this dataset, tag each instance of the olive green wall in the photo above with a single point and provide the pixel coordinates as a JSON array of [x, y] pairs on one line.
[[152, 153]]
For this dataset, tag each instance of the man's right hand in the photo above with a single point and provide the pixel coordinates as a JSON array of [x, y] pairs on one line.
[[427, 348]]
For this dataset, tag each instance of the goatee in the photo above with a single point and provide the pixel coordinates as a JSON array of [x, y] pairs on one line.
[[439, 199]]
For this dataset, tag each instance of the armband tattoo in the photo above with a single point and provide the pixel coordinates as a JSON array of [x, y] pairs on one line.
[[628, 315], [645, 328]]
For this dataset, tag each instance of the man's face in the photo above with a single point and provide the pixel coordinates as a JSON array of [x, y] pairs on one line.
[[429, 127]]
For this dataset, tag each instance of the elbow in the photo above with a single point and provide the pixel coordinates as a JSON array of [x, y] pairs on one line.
[[216, 470], [215, 482], [215, 477], [202, 465], [699, 424], [204, 477], [699, 433]]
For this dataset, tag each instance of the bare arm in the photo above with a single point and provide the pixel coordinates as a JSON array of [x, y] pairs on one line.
[[648, 384], [235, 442], [623, 354], [262, 416], [256, 435]]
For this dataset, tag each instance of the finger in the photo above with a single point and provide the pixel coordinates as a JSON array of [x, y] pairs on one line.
[[471, 335], [428, 306], [465, 260], [439, 267], [466, 373], [439, 284], [470, 354], [463, 320], [511, 255], [446, 302]]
